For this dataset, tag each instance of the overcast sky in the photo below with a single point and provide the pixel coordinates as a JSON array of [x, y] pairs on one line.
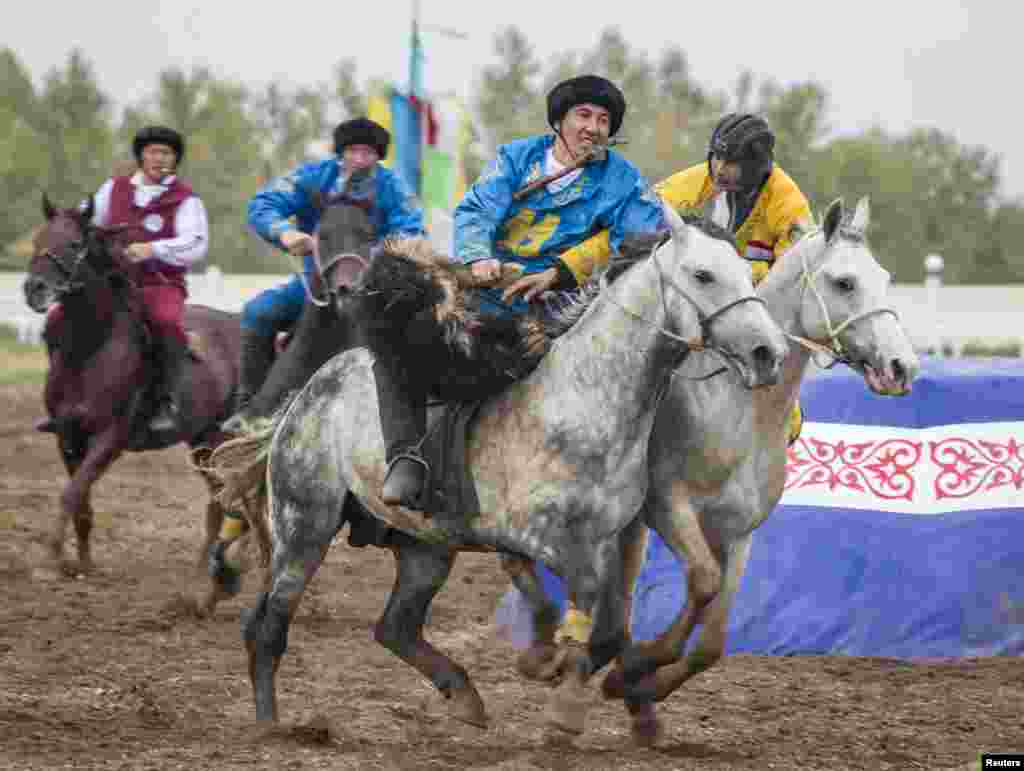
[[894, 63]]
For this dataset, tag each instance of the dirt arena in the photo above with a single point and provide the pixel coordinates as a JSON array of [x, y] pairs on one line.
[[106, 672]]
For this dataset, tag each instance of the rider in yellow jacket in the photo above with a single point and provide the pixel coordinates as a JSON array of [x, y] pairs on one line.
[[767, 210]]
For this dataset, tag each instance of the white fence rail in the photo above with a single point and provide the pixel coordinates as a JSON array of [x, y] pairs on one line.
[[944, 316]]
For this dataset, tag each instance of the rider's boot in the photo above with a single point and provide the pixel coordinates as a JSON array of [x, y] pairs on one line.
[[403, 421], [219, 564], [257, 358], [171, 359]]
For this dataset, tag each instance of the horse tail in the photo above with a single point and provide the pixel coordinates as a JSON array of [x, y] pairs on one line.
[[239, 465]]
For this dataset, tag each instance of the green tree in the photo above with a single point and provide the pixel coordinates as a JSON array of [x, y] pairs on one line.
[[74, 119], [509, 103], [24, 158]]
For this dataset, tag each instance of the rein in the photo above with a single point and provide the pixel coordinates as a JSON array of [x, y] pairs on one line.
[[705, 320]]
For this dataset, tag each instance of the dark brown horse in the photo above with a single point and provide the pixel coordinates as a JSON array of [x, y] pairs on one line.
[[99, 385]]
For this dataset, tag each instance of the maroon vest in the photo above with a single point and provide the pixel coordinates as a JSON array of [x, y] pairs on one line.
[[154, 222]]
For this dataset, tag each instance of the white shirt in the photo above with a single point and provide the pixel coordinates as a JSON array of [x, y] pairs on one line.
[[190, 244], [552, 166]]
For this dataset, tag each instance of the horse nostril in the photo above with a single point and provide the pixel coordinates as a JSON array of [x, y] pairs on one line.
[[762, 355], [899, 372]]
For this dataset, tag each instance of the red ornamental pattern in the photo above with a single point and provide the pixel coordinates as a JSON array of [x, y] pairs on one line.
[[967, 466], [879, 468], [898, 469]]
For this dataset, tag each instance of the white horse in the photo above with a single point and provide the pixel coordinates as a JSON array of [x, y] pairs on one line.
[[559, 462], [718, 453]]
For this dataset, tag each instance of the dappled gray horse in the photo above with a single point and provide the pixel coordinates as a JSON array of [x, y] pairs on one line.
[[718, 450], [558, 460]]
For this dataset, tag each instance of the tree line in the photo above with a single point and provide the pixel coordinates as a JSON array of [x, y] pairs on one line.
[[929, 193]]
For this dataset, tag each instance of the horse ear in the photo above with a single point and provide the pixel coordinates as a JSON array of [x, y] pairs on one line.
[[720, 212], [861, 216], [833, 217], [86, 209], [49, 210], [680, 232]]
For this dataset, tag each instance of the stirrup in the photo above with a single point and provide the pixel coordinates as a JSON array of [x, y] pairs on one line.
[[415, 457], [166, 418]]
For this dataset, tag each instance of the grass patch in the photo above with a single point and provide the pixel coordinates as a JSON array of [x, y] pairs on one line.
[[20, 363]]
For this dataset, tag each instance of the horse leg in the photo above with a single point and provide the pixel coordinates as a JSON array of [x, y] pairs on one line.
[[598, 587], [680, 528], [541, 660], [421, 572], [576, 624], [85, 466], [265, 627], [711, 643]]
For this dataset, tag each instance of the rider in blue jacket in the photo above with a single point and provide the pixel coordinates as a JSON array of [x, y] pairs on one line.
[[284, 214], [541, 231]]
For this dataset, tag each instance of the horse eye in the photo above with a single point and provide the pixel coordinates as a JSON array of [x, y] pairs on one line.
[[704, 277], [845, 285]]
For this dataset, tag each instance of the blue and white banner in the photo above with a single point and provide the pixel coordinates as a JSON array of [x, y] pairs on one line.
[[900, 532]]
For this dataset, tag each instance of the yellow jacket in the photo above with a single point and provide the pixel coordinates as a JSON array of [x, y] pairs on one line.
[[780, 214]]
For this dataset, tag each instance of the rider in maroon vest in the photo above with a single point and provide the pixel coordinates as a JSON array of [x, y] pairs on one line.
[[172, 235]]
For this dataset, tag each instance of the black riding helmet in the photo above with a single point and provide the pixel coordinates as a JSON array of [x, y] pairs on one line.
[[745, 139], [585, 89], [158, 135]]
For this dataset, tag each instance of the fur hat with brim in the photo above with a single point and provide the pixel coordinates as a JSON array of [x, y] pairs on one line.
[[361, 131], [587, 89]]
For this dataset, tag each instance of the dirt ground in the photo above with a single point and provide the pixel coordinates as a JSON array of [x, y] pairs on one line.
[[104, 672]]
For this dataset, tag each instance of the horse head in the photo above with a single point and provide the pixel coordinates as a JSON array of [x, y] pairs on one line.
[[703, 274], [845, 302], [65, 255], [344, 237]]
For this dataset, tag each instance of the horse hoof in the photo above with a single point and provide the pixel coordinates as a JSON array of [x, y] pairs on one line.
[[646, 726], [614, 685], [541, 661], [466, 706]]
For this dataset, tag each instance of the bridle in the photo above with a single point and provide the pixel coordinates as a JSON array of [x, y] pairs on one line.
[[705, 342], [832, 348]]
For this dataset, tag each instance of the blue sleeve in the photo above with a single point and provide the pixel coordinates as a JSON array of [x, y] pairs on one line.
[[271, 207], [638, 211], [404, 215], [483, 209]]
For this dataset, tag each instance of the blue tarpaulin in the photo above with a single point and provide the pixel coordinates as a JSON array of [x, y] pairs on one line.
[[901, 532]]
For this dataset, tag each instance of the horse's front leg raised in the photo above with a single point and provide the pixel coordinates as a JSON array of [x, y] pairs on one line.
[[639, 679], [421, 572], [710, 645], [86, 459]]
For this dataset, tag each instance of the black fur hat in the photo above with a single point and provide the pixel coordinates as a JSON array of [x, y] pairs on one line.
[[584, 89], [158, 135], [362, 131]]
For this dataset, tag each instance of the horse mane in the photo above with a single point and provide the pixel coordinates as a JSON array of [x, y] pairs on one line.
[[634, 248]]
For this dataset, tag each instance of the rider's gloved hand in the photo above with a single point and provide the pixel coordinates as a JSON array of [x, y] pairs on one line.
[[296, 242]]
